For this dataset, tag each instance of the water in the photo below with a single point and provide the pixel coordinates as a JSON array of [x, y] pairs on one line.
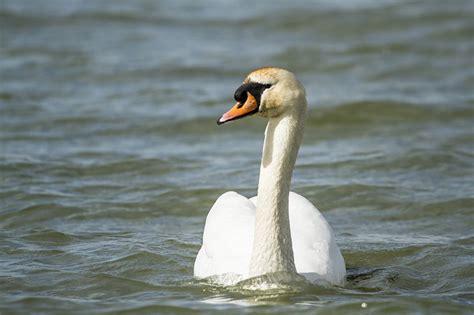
[[110, 157]]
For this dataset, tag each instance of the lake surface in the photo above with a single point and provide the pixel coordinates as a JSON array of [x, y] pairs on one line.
[[110, 157]]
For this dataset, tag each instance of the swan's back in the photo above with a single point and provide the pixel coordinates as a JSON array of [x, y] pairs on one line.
[[228, 237], [317, 256], [228, 240]]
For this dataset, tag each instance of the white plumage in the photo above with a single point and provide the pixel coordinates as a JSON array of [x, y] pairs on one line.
[[228, 238], [278, 230]]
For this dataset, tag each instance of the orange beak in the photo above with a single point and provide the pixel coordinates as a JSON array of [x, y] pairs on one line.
[[240, 110]]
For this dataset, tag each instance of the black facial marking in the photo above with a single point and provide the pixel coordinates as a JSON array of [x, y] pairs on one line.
[[240, 95], [256, 89]]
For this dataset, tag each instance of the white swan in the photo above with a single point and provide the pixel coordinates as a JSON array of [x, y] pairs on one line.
[[277, 230]]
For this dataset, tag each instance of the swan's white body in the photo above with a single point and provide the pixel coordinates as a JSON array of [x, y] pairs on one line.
[[276, 230], [229, 233]]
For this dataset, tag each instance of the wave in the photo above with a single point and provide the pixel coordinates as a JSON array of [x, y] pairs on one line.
[[382, 112]]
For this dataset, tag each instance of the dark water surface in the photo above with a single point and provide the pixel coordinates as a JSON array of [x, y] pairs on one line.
[[110, 157]]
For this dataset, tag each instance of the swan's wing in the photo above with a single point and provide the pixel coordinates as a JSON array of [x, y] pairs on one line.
[[317, 256], [228, 237]]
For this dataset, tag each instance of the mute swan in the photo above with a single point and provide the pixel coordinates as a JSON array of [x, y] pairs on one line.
[[277, 230]]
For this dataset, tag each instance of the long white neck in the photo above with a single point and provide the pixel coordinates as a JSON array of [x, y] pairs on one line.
[[272, 248]]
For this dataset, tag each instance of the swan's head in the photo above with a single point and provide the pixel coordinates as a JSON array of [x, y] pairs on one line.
[[270, 92]]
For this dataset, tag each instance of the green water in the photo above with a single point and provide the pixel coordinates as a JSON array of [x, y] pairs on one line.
[[110, 157]]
